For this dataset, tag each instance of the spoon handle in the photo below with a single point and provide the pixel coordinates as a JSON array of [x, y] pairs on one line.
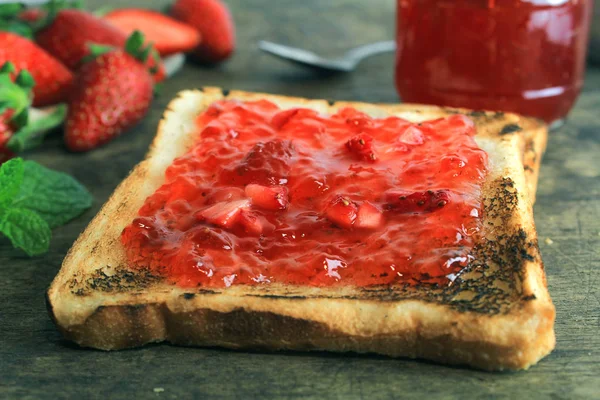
[[370, 49]]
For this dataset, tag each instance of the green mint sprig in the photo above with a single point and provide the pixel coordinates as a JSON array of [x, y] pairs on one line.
[[34, 199]]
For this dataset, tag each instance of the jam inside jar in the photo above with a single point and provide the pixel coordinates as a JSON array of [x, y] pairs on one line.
[[525, 56]]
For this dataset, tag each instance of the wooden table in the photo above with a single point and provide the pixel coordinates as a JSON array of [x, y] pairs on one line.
[[36, 363]]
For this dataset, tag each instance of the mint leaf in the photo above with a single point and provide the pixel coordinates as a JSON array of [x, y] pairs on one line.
[[26, 230], [11, 178], [55, 196]]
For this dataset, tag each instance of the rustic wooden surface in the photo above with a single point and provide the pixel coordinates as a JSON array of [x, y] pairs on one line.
[[36, 363]]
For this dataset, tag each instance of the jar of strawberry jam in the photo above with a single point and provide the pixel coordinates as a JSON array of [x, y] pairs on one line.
[[525, 56]]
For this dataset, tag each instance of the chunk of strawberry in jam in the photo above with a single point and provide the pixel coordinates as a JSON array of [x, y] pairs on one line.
[[225, 194], [368, 216], [266, 164], [250, 222], [210, 238], [361, 146], [414, 202], [412, 135], [225, 213], [268, 197], [342, 211]]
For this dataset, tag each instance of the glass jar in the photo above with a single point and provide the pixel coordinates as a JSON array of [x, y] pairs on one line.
[[526, 56]]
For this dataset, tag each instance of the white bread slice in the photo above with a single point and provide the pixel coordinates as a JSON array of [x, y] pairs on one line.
[[498, 316]]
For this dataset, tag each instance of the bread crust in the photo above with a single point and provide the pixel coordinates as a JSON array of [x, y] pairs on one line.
[[497, 316]]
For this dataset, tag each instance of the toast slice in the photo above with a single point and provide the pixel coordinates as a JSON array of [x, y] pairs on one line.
[[497, 316]]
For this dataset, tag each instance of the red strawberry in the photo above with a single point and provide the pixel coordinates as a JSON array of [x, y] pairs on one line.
[[6, 127], [20, 128], [368, 217], [342, 211], [6, 132], [271, 198], [111, 94], [412, 202], [156, 68], [168, 35], [68, 35], [32, 15], [224, 214], [53, 80], [213, 20], [362, 147]]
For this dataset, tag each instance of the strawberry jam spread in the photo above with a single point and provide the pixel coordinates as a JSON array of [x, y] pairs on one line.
[[297, 197]]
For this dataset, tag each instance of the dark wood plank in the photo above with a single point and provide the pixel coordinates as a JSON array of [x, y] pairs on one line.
[[36, 363]]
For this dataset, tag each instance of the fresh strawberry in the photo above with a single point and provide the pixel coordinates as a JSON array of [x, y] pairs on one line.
[[251, 223], [68, 35], [414, 202], [7, 130], [22, 127], [53, 79], [213, 20], [224, 214], [111, 94], [168, 35], [156, 68], [361, 146], [32, 15], [342, 211], [268, 197], [368, 217]]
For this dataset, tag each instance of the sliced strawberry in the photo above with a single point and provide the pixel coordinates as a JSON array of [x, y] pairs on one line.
[[269, 197], [168, 35], [342, 211], [362, 147], [225, 213], [369, 216], [213, 20], [407, 202], [251, 223]]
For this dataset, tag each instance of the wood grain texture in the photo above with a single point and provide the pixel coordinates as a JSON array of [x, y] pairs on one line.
[[36, 363]]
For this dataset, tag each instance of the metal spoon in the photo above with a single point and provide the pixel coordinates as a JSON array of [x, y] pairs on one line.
[[346, 63]]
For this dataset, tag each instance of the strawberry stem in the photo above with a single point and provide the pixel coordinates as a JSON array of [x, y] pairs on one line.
[[32, 134], [135, 47], [134, 43], [17, 95], [7, 68], [11, 10]]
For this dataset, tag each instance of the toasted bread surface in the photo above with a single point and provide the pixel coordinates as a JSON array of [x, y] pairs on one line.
[[496, 315]]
